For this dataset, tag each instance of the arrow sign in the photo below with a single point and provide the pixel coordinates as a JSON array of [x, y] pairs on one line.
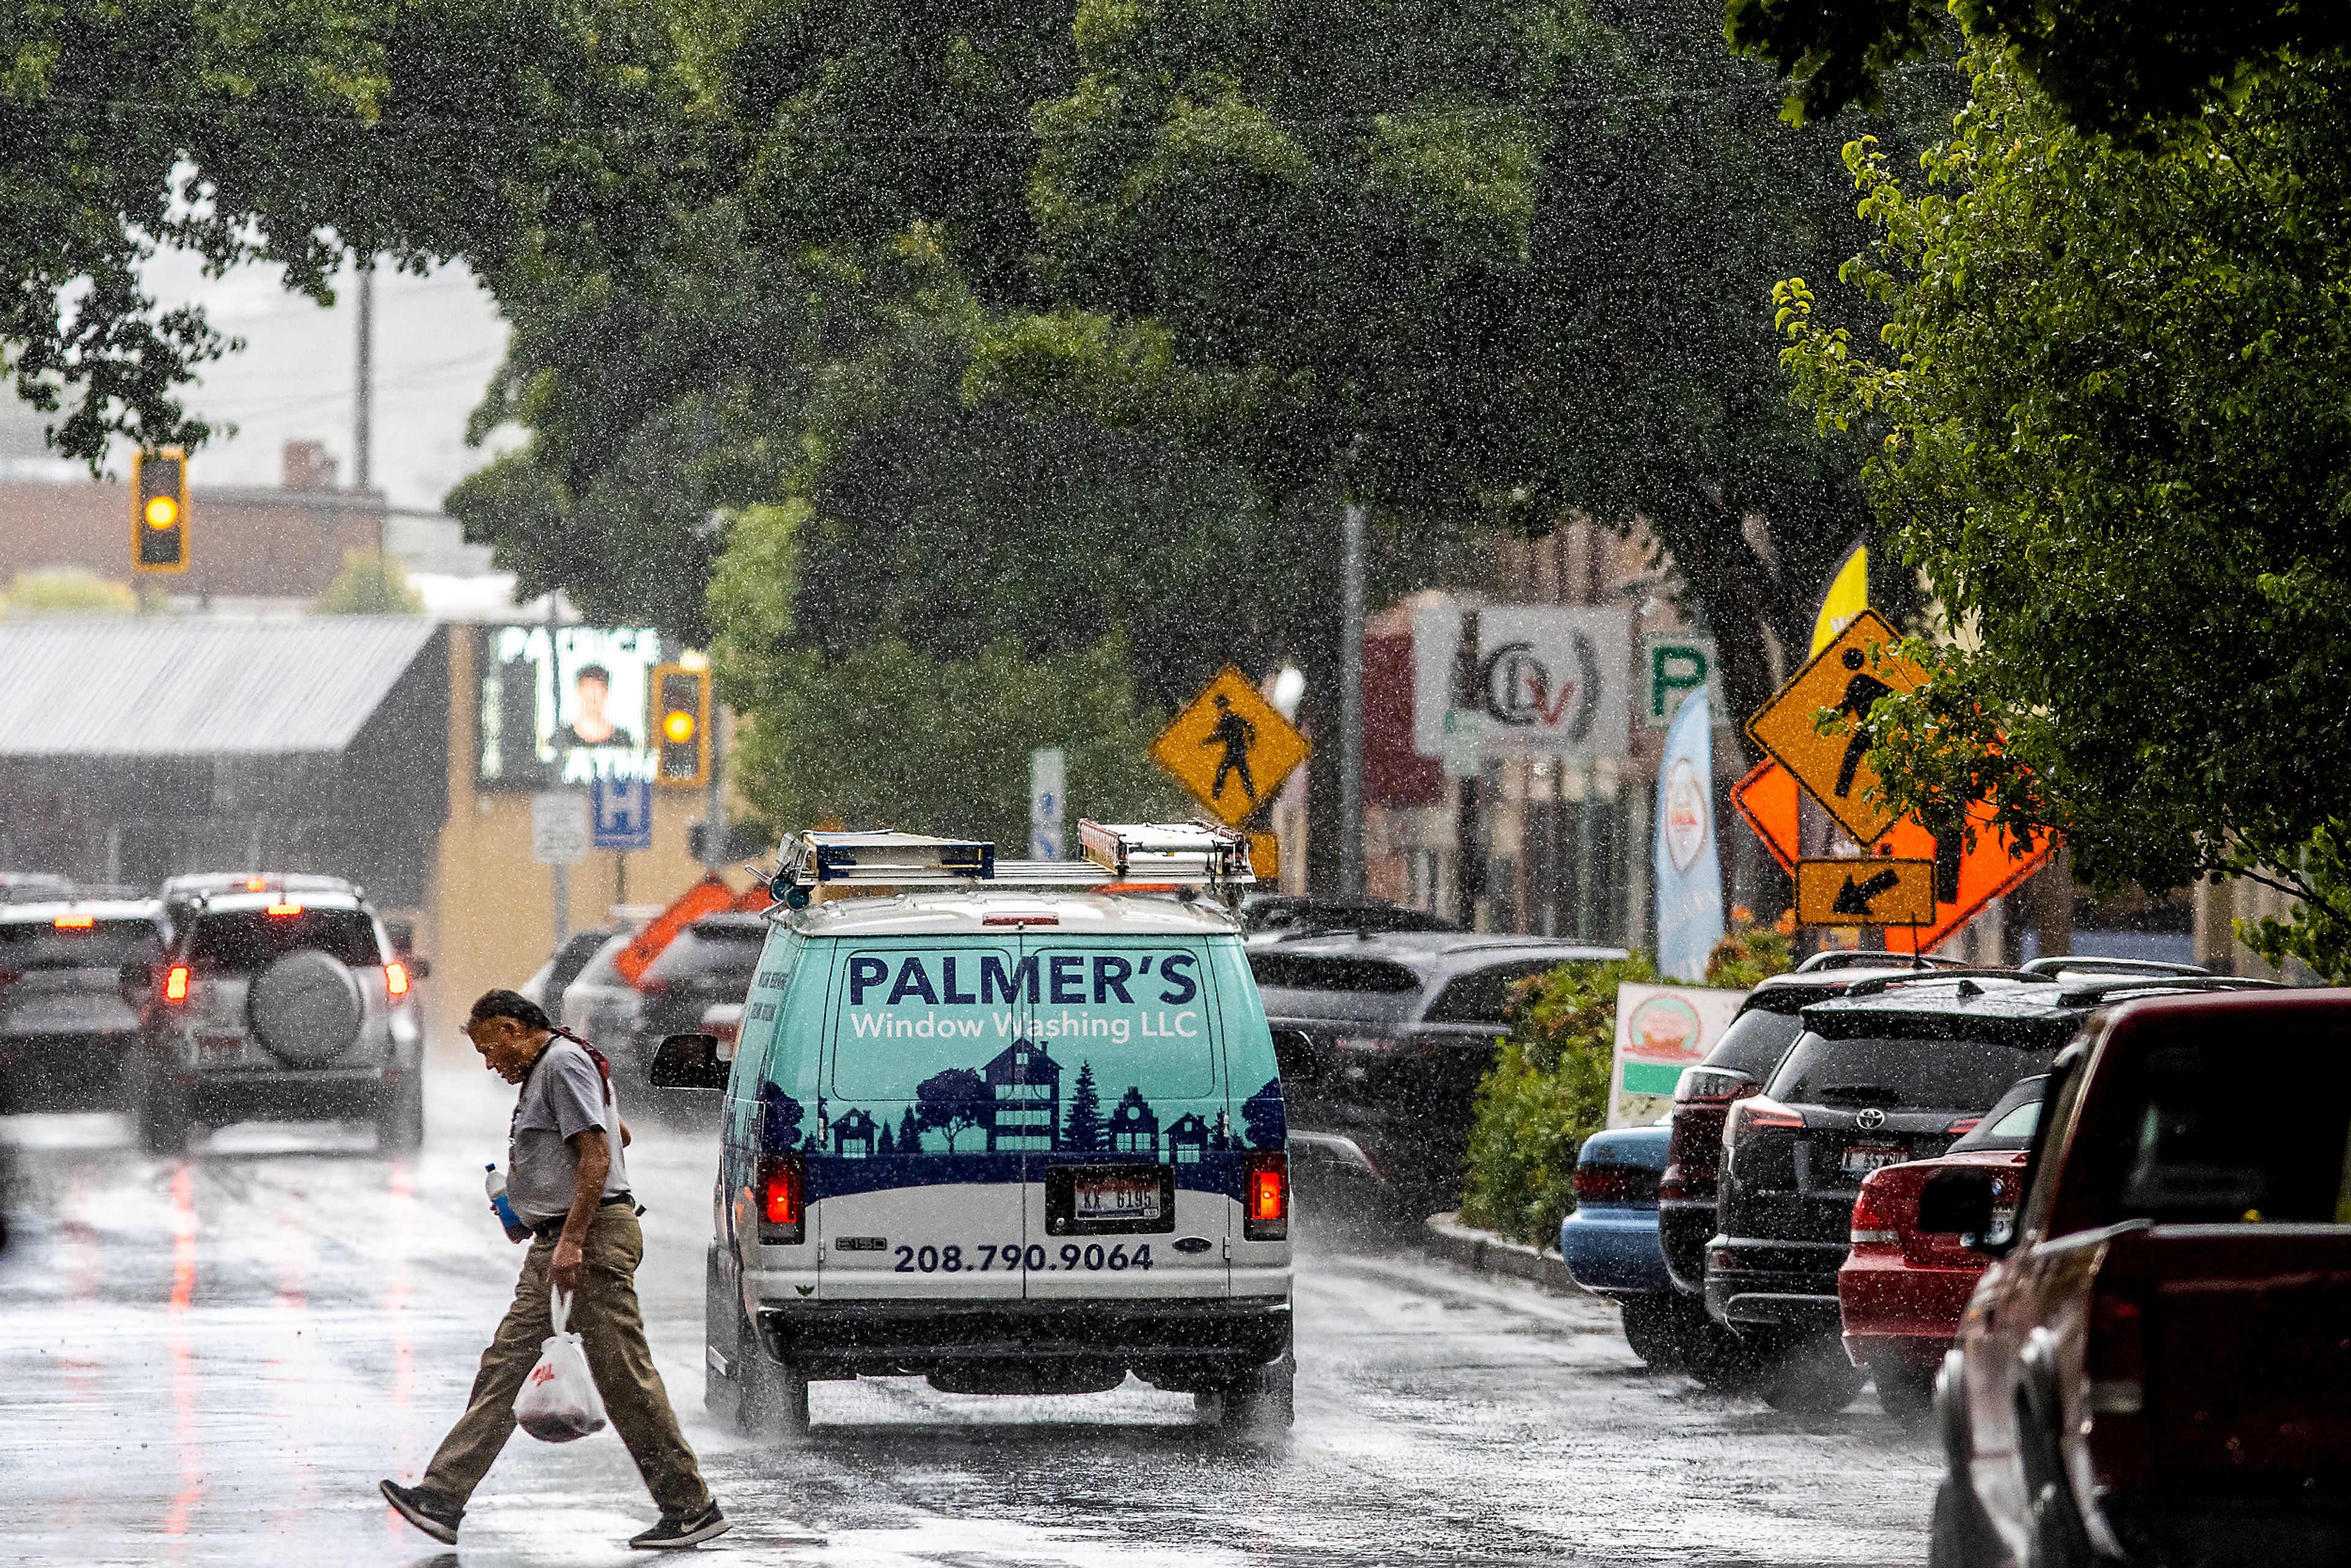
[[1873, 891]]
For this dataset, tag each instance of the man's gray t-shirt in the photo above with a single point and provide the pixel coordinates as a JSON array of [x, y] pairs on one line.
[[563, 1095]]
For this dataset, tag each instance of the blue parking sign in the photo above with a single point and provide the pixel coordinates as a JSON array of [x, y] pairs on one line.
[[620, 812]]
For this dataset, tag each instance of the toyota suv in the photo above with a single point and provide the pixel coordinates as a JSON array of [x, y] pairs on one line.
[[1014, 1139], [286, 1001]]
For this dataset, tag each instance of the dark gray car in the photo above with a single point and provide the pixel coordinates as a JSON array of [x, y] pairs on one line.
[[72, 982], [1393, 1032]]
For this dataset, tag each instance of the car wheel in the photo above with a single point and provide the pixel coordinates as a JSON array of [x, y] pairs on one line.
[[1907, 1392], [400, 1125], [1810, 1378], [1660, 1329], [1958, 1537], [161, 1110]]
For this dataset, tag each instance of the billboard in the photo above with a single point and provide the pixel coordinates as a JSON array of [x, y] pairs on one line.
[[1661, 1029], [1528, 680], [566, 705]]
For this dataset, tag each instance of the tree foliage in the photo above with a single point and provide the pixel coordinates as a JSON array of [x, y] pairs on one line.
[[2127, 66], [2115, 440]]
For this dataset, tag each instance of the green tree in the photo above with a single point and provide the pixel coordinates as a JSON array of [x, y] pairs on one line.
[[299, 132], [2114, 439], [65, 590], [369, 584], [2117, 65]]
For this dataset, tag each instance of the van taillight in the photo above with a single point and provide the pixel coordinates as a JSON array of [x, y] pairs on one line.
[[783, 1187], [175, 984], [1266, 1215], [2114, 1353]]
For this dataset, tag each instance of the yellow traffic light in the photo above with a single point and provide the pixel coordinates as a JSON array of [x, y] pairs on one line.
[[682, 721], [159, 510]]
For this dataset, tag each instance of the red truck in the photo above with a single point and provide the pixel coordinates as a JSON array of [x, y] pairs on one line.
[[2157, 1368]]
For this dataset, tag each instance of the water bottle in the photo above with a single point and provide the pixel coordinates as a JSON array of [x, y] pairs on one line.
[[495, 1184]]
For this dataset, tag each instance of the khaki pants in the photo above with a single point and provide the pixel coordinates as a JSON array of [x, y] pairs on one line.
[[605, 1316]]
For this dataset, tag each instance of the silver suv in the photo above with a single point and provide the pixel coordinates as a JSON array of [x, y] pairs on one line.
[[284, 1001]]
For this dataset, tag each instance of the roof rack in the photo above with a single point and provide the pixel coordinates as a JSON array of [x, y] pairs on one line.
[[1190, 853], [1878, 983], [2110, 987], [1857, 959], [2090, 964]]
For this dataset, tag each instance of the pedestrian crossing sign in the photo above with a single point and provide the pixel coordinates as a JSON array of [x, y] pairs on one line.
[[1860, 665], [1231, 747]]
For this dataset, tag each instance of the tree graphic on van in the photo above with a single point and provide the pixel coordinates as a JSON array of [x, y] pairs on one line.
[[1083, 1132], [779, 1118], [953, 1102], [1262, 1118]]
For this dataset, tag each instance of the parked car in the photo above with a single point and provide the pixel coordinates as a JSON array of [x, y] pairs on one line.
[[280, 1004], [1609, 1240], [1282, 917], [602, 1006], [1901, 1290], [34, 887], [1393, 1033], [548, 983], [2155, 1368], [73, 978]]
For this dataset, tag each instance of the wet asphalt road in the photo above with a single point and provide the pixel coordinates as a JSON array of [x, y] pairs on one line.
[[211, 1361]]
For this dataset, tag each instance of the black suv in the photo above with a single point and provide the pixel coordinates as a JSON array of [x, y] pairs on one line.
[[1897, 1070]]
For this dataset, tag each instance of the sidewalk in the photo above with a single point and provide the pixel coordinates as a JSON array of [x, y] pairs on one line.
[[1487, 1253]]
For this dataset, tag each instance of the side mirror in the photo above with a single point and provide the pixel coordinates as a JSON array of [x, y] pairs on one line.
[[1294, 1057], [690, 1062], [419, 966], [1957, 1200]]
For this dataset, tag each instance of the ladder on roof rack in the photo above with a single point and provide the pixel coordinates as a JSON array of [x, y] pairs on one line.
[[1186, 854]]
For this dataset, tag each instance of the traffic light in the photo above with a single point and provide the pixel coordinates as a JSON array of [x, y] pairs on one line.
[[159, 510], [682, 723]]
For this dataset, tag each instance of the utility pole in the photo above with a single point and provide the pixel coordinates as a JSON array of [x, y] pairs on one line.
[[1351, 702], [363, 392], [562, 889]]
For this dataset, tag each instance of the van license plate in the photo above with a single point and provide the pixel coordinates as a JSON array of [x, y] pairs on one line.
[[1860, 1159], [1122, 1197]]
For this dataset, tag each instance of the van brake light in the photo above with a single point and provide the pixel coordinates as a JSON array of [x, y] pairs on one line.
[[1020, 920], [1265, 1216], [783, 1211]]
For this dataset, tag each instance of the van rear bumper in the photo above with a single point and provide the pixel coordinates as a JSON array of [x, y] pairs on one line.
[[1170, 1344]]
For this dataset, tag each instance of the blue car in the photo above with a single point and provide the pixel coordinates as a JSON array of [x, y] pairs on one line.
[[1612, 1248]]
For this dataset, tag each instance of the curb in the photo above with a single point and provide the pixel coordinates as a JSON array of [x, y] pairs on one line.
[[1483, 1252]]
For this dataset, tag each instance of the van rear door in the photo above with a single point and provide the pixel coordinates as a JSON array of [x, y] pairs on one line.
[[914, 1167], [1132, 1156]]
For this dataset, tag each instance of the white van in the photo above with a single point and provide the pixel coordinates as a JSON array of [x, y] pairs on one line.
[[1015, 1139]]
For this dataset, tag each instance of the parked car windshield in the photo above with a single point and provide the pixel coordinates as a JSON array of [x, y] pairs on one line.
[[1335, 986], [1483, 996], [61, 943], [1755, 1042], [1899, 1073], [2009, 1123], [246, 941]]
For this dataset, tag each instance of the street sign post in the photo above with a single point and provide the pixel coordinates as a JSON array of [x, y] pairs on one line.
[[1858, 666], [1867, 890], [558, 828], [1231, 747], [1966, 877], [620, 812]]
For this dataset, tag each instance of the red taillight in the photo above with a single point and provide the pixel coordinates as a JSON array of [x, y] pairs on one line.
[[1598, 1183], [1756, 1113], [255, 884], [1022, 919], [1963, 1125], [74, 922], [1265, 1216], [1873, 1220], [283, 909], [783, 1187], [395, 979], [175, 984]]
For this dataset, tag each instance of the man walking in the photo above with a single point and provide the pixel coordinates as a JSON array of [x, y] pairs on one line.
[[567, 1181]]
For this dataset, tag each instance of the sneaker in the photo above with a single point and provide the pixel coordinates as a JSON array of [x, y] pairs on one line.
[[672, 1534], [427, 1511]]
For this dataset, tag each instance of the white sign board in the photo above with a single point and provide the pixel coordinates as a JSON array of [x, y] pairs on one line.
[[1048, 800], [1660, 1030], [1542, 679], [558, 828]]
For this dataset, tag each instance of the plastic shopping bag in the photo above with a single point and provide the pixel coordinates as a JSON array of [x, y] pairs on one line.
[[559, 1401]]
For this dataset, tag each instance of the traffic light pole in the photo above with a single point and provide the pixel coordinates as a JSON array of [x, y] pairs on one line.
[[1351, 703], [713, 816]]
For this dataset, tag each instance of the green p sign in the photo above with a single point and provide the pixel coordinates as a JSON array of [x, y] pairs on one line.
[[1674, 662]]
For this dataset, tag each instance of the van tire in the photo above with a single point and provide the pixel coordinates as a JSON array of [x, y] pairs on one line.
[[1264, 1398], [771, 1400]]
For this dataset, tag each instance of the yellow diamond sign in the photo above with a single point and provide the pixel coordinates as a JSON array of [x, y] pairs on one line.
[[1858, 666], [1231, 747]]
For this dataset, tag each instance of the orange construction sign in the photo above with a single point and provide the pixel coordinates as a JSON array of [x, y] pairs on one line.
[[1966, 879], [708, 896]]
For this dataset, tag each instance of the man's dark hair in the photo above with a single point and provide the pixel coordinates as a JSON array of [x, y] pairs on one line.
[[596, 673], [508, 1005]]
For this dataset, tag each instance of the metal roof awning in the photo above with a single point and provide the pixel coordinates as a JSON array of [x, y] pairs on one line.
[[170, 686]]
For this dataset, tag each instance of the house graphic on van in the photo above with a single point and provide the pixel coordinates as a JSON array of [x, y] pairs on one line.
[[1025, 1088]]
